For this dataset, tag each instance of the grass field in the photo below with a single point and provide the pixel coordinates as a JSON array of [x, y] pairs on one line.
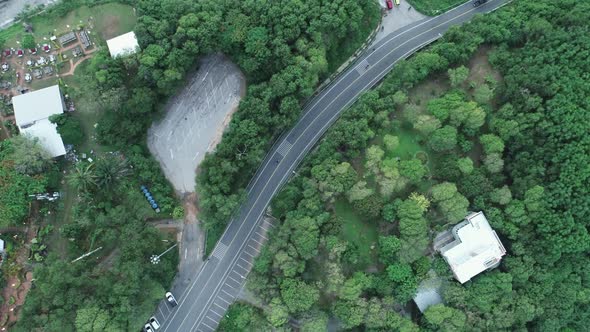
[[408, 145], [434, 7], [109, 20], [356, 230], [87, 108]]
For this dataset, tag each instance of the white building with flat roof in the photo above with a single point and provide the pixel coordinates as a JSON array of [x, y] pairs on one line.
[[32, 111], [123, 45], [475, 247]]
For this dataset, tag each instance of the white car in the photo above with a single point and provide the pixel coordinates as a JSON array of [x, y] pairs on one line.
[[154, 323], [170, 298], [148, 328]]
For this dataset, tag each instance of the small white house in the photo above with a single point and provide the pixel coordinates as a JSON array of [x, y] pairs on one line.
[[32, 111], [474, 247], [123, 45]]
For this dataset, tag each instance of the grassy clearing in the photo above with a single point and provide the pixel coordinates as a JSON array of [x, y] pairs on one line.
[[428, 90], [434, 7], [108, 20], [87, 109], [408, 145], [356, 230], [41, 84], [338, 55]]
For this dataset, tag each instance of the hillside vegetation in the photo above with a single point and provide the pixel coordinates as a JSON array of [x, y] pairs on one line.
[[508, 137]]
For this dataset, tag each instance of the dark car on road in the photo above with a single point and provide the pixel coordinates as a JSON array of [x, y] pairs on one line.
[[479, 2]]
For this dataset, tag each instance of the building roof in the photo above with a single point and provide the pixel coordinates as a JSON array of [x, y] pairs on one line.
[[476, 248], [123, 45], [32, 112], [67, 38]]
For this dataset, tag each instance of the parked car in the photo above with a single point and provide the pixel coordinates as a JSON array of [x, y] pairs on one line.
[[154, 323], [171, 299], [147, 328], [389, 4]]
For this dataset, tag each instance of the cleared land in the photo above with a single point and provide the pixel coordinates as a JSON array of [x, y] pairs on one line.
[[108, 20], [195, 119]]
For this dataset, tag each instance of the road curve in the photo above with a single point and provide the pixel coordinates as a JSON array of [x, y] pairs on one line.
[[215, 287]]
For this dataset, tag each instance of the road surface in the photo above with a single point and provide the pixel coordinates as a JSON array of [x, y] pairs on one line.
[[204, 303], [9, 9]]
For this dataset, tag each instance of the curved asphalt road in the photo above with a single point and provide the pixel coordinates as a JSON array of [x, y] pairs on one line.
[[216, 286]]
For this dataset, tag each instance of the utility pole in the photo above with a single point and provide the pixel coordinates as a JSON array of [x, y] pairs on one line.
[[87, 254], [155, 259]]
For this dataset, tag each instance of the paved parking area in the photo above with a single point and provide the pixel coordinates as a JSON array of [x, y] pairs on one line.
[[396, 18], [195, 119]]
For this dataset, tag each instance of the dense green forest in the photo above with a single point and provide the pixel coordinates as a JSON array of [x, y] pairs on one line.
[[285, 52], [24, 168], [499, 125]]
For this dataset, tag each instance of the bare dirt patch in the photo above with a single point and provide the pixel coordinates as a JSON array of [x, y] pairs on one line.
[[480, 67], [428, 90], [111, 27], [195, 119], [18, 283]]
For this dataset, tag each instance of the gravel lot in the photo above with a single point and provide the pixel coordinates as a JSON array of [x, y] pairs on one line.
[[195, 119]]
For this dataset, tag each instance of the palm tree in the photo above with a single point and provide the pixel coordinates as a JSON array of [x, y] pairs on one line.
[[110, 170], [83, 177]]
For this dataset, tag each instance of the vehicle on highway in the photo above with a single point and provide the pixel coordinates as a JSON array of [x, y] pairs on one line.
[[479, 2], [389, 4], [171, 299]]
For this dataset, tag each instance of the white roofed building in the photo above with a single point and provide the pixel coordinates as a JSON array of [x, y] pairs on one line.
[[32, 112], [474, 247], [123, 45]]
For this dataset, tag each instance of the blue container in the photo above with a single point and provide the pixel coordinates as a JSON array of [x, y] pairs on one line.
[[152, 201], [143, 188], [148, 195], [144, 191], [155, 206]]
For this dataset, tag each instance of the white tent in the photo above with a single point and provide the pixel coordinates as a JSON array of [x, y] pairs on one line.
[[123, 45]]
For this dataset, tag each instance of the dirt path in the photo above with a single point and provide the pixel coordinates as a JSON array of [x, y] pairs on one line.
[[73, 65], [16, 288]]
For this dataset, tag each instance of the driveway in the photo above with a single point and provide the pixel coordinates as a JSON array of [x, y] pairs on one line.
[[195, 119]]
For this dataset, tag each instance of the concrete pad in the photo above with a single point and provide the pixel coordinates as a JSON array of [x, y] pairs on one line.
[[396, 18], [195, 119]]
